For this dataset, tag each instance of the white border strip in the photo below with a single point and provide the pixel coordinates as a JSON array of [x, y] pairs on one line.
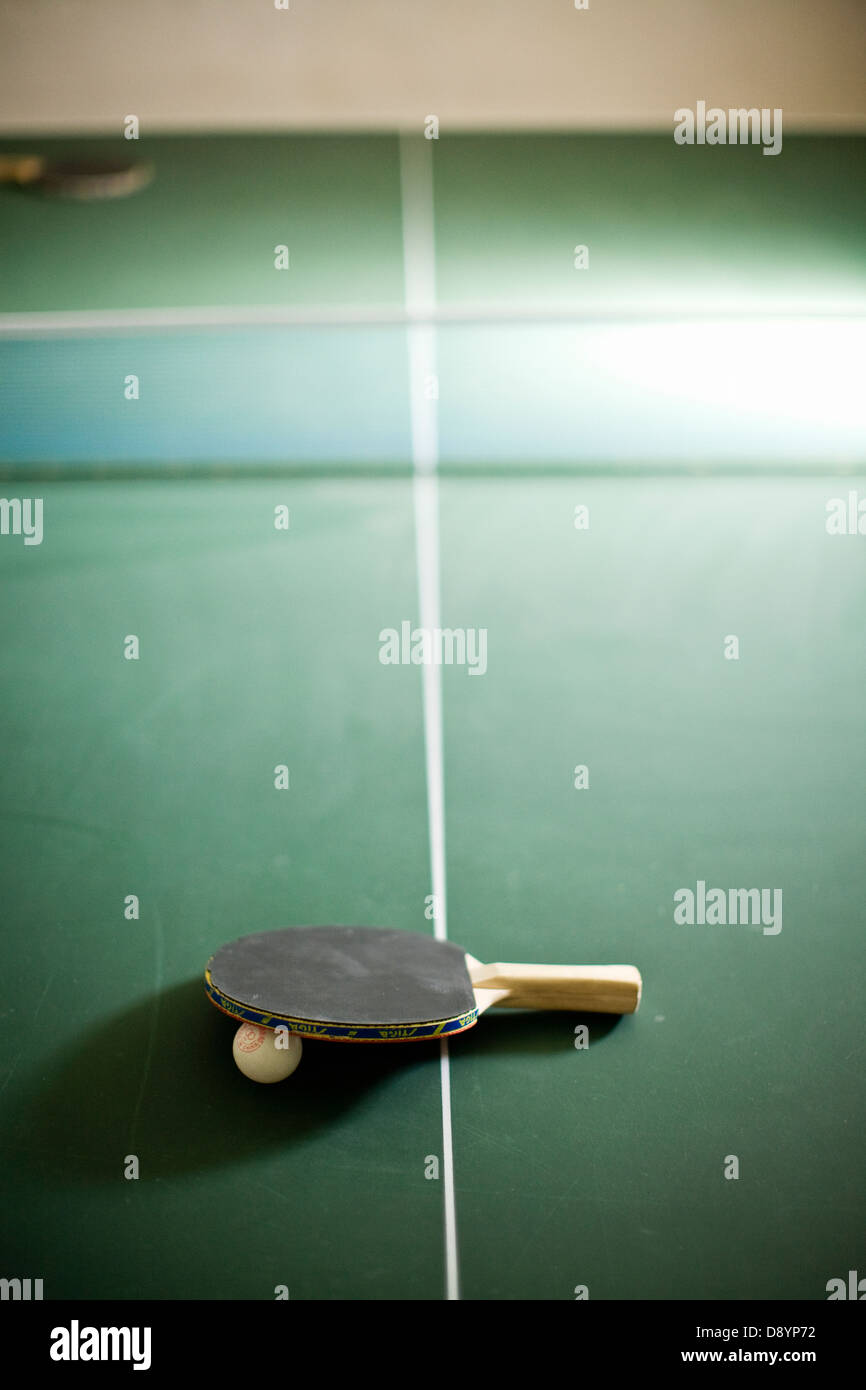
[[71, 323], [416, 177]]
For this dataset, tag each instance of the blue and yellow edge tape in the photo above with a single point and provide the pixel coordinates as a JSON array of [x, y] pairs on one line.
[[340, 1032]]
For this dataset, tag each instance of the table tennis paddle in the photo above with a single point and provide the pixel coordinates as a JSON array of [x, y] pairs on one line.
[[81, 179], [376, 984]]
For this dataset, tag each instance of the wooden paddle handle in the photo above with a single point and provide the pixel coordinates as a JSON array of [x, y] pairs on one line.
[[606, 989], [21, 168]]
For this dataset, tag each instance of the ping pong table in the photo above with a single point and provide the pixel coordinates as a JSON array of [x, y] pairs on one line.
[[618, 462]]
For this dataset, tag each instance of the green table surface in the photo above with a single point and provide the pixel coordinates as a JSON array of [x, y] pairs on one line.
[[602, 1166]]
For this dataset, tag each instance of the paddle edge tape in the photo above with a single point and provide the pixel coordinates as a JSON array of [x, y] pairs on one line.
[[339, 1032]]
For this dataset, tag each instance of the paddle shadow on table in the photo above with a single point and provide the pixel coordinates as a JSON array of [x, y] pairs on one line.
[[158, 1080]]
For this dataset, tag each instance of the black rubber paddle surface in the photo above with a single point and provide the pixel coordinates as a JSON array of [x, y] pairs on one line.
[[362, 975]]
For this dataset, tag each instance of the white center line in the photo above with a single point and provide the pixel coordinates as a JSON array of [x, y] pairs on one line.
[[416, 177]]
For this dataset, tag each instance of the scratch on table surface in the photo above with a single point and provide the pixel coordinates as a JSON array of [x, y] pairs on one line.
[[101, 832], [507, 1143], [171, 693], [560, 1199], [580, 1179], [20, 1053], [263, 1187], [159, 951]]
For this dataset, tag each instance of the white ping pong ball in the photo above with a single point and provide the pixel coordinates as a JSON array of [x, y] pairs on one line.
[[265, 1054]]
